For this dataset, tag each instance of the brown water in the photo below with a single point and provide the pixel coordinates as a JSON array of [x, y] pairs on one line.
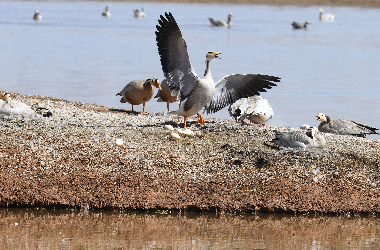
[[65, 229]]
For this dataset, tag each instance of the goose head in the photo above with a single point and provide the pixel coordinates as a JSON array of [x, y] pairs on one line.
[[212, 55], [156, 83], [5, 96], [321, 117]]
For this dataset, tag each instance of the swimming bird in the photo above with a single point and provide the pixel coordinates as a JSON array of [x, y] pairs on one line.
[[8, 106], [325, 17], [222, 23], [196, 93], [37, 16], [139, 91], [106, 12], [343, 127], [300, 26], [300, 139], [164, 95], [257, 109], [140, 13]]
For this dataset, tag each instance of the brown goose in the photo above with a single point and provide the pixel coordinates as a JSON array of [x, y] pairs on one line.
[[138, 91], [164, 95], [196, 93], [343, 127]]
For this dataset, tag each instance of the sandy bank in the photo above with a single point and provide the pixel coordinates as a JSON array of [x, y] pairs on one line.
[[71, 160]]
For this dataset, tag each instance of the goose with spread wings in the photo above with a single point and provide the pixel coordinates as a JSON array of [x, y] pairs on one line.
[[194, 92]]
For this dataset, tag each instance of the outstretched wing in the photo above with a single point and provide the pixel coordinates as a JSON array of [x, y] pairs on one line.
[[233, 87], [175, 61]]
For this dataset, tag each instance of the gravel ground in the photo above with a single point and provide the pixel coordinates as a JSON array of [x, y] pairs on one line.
[[71, 160]]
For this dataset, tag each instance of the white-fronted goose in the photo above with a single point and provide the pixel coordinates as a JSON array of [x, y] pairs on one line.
[[257, 109], [300, 26], [139, 92], [343, 127], [106, 12], [325, 17], [196, 93], [164, 94], [300, 139], [221, 23], [37, 16]]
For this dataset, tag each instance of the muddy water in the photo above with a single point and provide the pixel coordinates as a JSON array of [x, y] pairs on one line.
[[65, 229]]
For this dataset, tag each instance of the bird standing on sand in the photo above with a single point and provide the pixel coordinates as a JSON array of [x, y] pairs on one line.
[[325, 17], [196, 93], [138, 91], [257, 109], [164, 94], [37, 16], [221, 23], [300, 139], [300, 26], [106, 12], [343, 127]]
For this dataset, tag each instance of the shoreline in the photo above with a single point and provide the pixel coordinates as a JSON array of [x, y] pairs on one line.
[[70, 160], [365, 3]]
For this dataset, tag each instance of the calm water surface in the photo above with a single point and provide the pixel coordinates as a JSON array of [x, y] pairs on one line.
[[35, 229], [74, 53]]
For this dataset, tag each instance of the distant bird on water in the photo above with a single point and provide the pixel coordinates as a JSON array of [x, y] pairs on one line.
[[343, 127], [164, 94], [300, 139], [139, 13], [300, 26], [325, 17], [106, 12], [37, 16], [139, 91], [196, 93], [257, 109], [222, 23]]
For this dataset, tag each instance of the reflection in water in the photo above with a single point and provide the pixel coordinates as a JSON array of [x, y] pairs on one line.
[[47, 229]]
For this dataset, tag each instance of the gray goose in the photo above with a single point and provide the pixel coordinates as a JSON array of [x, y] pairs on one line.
[[300, 139], [300, 26], [106, 12], [196, 93], [221, 23], [343, 127]]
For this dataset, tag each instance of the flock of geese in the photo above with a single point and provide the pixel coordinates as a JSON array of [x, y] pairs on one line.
[[241, 92]]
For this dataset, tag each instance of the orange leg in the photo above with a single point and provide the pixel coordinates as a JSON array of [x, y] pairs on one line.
[[250, 122], [184, 123], [144, 109], [201, 120]]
